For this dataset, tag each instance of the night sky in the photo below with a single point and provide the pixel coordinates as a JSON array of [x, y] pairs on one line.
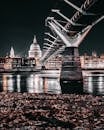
[[20, 20]]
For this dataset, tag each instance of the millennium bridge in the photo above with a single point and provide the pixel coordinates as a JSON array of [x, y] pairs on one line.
[[66, 34]]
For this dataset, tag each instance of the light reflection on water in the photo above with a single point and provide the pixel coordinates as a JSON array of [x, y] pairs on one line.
[[94, 84], [37, 83], [32, 83]]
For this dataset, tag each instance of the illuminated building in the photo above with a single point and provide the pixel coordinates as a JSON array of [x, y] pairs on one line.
[[2, 61], [54, 62], [32, 62], [94, 61]]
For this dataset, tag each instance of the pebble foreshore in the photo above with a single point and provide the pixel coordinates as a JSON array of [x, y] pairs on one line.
[[28, 111]]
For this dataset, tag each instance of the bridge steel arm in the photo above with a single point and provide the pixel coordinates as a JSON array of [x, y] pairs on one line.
[[60, 34], [66, 18], [77, 8], [87, 4], [50, 35], [67, 40]]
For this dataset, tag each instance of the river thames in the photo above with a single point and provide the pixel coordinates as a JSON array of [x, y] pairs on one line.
[[41, 83]]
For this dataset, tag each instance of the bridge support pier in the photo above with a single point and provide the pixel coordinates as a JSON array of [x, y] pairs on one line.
[[71, 79]]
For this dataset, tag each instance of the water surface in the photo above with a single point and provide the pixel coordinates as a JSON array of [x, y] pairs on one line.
[[39, 83]]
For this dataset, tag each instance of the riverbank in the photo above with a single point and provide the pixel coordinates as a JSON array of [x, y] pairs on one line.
[[50, 111]]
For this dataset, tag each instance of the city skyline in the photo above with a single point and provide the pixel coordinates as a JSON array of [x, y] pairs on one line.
[[21, 20]]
